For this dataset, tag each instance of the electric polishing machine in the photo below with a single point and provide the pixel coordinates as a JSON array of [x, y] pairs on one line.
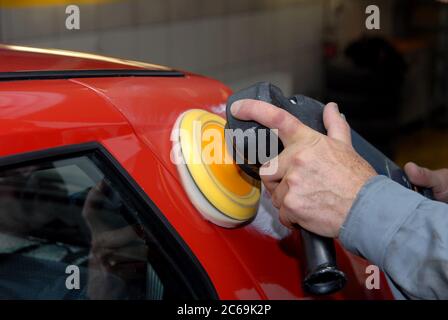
[[228, 193]]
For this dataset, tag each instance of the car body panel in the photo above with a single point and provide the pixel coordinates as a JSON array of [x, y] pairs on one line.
[[132, 117], [49, 113]]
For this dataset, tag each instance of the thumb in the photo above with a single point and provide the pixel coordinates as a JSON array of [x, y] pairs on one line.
[[334, 122], [420, 176]]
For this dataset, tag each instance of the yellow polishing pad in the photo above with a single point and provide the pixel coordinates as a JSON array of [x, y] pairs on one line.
[[212, 170]]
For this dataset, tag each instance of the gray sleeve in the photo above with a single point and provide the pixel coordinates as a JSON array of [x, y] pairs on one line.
[[404, 234]]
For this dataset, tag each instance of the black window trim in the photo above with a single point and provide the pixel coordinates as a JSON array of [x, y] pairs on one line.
[[187, 266], [94, 73]]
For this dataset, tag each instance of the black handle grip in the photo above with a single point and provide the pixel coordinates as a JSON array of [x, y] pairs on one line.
[[322, 275]]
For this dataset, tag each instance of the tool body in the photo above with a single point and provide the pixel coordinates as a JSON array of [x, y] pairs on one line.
[[322, 275]]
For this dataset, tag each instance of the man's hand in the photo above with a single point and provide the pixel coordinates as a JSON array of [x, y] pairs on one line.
[[437, 180], [318, 176]]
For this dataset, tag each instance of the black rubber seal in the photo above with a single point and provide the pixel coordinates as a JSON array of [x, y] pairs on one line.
[[100, 73]]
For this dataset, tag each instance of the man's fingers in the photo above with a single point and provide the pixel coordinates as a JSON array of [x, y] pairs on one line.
[[270, 116], [279, 194], [420, 176], [336, 125], [283, 216], [437, 180]]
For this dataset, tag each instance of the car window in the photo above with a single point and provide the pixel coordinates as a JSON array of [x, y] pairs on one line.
[[70, 230]]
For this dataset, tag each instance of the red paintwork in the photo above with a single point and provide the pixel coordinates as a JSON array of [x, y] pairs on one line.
[[133, 118]]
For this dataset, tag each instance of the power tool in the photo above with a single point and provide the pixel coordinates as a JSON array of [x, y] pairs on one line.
[[227, 193]]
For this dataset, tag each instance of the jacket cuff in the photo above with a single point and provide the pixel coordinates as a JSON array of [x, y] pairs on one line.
[[377, 213]]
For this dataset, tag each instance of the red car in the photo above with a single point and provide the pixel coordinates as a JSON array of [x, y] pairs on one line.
[[93, 208]]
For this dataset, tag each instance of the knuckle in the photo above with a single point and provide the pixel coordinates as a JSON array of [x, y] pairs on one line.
[[291, 180], [344, 128], [292, 124], [278, 118], [425, 171], [290, 201], [297, 159]]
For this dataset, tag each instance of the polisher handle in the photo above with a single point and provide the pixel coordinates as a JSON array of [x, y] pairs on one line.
[[322, 275]]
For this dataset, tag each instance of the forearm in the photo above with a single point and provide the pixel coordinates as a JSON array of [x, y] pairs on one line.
[[403, 233]]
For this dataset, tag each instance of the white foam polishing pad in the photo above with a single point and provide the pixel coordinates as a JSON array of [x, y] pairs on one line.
[[216, 186]]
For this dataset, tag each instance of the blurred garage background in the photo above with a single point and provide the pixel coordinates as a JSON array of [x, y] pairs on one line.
[[391, 83]]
